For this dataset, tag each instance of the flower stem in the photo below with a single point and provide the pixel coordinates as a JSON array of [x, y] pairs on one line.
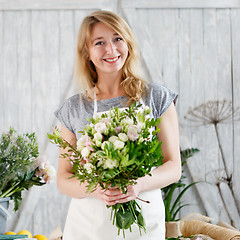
[[229, 177], [10, 191], [142, 200], [224, 204]]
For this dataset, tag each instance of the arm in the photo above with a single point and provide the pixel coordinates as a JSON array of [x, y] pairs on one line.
[[170, 171], [72, 187]]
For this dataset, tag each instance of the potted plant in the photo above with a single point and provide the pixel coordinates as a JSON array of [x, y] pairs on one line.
[[173, 206], [20, 169]]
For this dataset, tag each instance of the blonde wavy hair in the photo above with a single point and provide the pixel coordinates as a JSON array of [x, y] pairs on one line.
[[84, 71]]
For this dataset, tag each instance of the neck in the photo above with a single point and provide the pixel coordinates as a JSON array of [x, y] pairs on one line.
[[109, 86]]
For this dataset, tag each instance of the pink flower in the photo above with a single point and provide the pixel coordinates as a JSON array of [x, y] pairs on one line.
[[45, 170], [118, 129], [132, 134]]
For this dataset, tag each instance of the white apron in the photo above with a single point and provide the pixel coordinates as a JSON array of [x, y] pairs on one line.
[[90, 219]]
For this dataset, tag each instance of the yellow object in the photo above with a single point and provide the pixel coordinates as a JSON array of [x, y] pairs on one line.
[[40, 237], [9, 233], [25, 232]]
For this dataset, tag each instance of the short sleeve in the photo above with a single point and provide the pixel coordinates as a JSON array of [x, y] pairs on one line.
[[160, 98], [63, 115]]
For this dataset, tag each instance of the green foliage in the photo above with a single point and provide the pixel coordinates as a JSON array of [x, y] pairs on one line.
[[172, 207], [18, 164]]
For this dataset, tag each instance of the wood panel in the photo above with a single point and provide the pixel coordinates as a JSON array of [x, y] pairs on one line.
[[57, 4], [192, 51], [181, 4], [191, 47], [235, 18]]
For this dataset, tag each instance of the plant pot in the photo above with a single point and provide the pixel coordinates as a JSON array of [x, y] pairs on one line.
[[173, 229], [4, 203]]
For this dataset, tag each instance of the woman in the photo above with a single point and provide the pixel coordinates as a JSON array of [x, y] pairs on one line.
[[106, 62]]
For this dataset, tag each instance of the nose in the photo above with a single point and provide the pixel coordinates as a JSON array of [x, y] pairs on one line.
[[110, 47]]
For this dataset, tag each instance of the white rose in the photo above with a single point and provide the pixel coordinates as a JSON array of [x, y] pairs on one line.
[[127, 121], [98, 136], [113, 139], [132, 134], [85, 152], [123, 137], [109, 163], [101, 127], [118, 144], [88, 167]]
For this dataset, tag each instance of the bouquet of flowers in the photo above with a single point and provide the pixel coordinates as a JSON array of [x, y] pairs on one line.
[[20, 165], [116, 149]]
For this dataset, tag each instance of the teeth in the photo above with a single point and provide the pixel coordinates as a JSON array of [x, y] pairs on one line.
[[112, 60]]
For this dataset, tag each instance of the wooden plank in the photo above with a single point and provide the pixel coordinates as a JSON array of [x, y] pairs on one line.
[[56, 4], [184, 50], [195, 97], [235, 39], [10, 70], [181, 4], [143, 36], [23, 80], [2, 84]]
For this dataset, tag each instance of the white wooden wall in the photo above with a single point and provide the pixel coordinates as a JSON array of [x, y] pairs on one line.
[[190, 46]]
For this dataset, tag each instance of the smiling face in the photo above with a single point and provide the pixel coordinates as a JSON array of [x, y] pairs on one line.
[[107, 50]]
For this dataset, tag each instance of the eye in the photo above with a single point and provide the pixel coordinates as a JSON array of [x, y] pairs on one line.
[[117, 39], [99, 43]]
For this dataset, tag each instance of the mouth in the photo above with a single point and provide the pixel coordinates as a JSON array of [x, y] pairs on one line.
[[111, 60]]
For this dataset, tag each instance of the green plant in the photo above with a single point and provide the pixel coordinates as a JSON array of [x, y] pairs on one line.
[[172, 208], [20, 167]]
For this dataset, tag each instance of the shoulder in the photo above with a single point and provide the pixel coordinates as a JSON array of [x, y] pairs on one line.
[[74, 101], [157, 92], [159, 97]]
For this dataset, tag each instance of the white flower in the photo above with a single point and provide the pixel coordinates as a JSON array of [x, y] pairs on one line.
[[106, 120], [101, 127], [103, 144], [98, 143], [46, 171], [85, 152], [123, 137], [109, 163], [132, 134], [140, 126], [118, 144], [113, 139], [98, 136], [80, 144], [127, 121], [88, 167]]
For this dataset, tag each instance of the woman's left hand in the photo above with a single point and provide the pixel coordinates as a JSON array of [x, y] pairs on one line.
[[114, 195]]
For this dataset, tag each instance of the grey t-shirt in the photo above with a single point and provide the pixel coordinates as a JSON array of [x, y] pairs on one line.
[[73, 114]]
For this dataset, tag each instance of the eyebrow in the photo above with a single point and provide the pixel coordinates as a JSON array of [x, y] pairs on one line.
[[98, 38]]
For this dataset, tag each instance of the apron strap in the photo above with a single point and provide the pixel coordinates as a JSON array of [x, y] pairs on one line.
[[95, 103]]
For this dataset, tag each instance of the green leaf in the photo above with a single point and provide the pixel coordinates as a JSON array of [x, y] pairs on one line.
[[124, 219]]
